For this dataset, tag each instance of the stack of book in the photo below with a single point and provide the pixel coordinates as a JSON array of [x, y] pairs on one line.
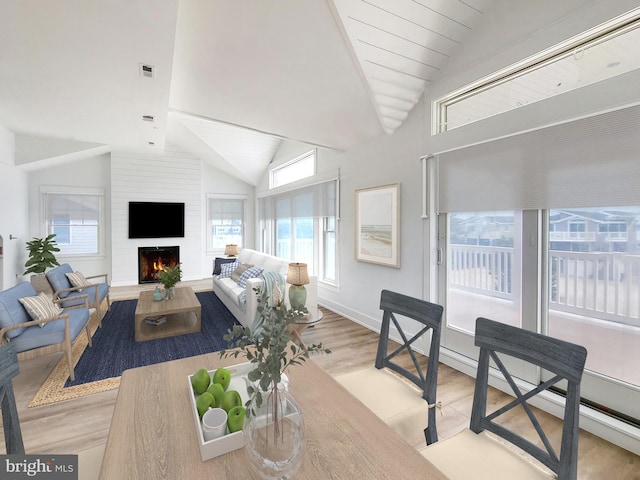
[[156, 320]]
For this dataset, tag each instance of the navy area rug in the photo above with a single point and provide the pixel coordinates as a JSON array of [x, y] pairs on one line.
[[114, 350]]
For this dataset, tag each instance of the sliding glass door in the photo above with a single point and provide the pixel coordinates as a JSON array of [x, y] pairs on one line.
[[573, 274], [593, 282]]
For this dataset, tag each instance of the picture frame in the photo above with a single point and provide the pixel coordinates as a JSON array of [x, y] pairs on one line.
[[378, 225]]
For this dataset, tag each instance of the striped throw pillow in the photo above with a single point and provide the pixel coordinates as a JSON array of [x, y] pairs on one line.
[[40, 307], [77, 280]]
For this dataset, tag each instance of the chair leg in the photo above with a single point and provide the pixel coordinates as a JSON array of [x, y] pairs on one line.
[[88, 330], [431, 432], [67, 348], [11, 423]]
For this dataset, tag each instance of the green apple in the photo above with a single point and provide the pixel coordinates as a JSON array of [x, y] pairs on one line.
[[231, 399], [223, 377], [235, 418], [200, 381], [203, 402], [217, 391]]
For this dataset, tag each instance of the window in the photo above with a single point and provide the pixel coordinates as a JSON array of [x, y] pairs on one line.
[[577, 280], [594, 56], [225, 221], [300, 224], [76, 217], [301, 167]]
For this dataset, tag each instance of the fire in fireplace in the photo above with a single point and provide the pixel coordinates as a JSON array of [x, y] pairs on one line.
[[152, 260]]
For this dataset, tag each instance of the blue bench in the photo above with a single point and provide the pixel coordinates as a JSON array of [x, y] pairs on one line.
[[71, 296], [29, 337]]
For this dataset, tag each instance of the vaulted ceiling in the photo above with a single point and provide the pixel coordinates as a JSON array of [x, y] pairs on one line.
[[228, 80]]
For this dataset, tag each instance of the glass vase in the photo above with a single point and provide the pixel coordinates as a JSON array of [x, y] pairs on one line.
[[169, 293], [274, 434]]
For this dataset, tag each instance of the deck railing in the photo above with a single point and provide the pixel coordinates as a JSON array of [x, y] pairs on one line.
[[597, 285]]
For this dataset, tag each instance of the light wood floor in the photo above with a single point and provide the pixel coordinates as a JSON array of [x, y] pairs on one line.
[[81, 424]]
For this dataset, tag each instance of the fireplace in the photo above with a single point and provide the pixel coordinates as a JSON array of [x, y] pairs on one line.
[[152, 260]]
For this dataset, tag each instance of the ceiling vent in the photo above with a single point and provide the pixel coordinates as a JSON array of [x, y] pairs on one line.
[[148, 118], [148, 71]]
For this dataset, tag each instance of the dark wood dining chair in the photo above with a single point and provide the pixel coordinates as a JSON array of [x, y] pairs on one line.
[[490, 448], [401, 404], [10, 422]]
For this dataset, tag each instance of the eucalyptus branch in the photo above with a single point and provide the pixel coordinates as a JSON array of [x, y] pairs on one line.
[[269, 347]]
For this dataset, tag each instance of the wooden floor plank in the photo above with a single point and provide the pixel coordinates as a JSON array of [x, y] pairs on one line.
[[80, 424]]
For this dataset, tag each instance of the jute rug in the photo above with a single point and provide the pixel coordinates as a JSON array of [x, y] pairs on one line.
[[53, 390], [98, 368]]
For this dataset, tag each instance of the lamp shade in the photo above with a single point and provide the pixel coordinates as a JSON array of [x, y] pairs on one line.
[[231, 250], [297, 274]]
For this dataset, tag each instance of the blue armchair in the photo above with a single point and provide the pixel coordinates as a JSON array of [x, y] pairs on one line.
[[32, 338], [71, 295]]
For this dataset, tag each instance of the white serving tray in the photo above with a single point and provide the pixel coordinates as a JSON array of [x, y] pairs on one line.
[[230, 441]]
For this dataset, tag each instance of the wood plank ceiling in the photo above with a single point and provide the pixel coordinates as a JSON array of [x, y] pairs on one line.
[[401, 45]]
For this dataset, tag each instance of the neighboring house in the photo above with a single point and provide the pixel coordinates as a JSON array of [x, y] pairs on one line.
[[594, 231]]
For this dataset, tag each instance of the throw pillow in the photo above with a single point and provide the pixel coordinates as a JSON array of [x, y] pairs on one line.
[[240, 270], [243, 267], [226, 269], [219, 262], [252, 272], [40, 307], [77, 280]]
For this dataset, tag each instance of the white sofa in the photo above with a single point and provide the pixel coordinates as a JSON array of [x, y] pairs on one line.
[[228, 291]]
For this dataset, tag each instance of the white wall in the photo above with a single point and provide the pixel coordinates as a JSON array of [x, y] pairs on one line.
[[92, 172], [530, 28], [164, 178], [388, 159], [172, 177], [123, 177], [217, 182], [14, 213]]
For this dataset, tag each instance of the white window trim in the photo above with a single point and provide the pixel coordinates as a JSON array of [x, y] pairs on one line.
[[612, 27], [71, 190], [224, 196], [273, 171]]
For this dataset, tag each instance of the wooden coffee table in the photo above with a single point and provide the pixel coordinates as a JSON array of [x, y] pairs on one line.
[[182, 315]]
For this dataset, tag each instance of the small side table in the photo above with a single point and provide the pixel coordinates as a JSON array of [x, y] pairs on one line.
[[310, 319]]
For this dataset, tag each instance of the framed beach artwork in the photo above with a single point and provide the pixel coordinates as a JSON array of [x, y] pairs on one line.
[[378, 225]]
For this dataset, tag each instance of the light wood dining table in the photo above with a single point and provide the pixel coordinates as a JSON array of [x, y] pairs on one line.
[[153, 436]]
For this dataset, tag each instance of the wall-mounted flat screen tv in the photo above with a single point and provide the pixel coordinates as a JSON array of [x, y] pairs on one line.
[[156, 219]]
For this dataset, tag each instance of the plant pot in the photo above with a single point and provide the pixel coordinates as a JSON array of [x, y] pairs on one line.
[[274, 434], [40, 283]]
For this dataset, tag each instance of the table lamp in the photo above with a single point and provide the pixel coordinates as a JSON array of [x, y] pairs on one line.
[[231, 250], [298, 277]]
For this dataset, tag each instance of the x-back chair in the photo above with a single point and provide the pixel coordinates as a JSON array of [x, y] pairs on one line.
[[402, 405], [475, 454]]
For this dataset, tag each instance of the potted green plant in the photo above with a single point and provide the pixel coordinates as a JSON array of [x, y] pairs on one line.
[[41, 257], [169, 277], [273, 422], [41, 254]]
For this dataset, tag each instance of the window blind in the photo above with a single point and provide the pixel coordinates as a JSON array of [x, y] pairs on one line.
[[318, 200], [76, 209], [589, 162], [226, 210]]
